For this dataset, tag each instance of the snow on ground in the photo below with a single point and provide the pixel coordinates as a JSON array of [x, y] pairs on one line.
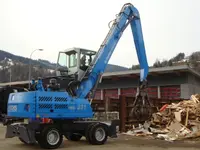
[[6, 63], [10, 62]]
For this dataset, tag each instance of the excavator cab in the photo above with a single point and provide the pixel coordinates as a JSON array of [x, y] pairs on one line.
[[74, 62]]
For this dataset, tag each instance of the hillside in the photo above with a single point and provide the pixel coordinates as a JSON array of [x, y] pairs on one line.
[[43, 68], [192, 60], [40, 68]]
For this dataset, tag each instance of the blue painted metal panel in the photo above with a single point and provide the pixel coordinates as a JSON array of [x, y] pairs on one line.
[[48, 105], [21, 104], [61, 105]]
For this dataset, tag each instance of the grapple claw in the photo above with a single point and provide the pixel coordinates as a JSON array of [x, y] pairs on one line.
[[142, 107]]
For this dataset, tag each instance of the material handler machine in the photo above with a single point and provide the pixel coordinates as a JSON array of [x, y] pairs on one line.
[[68, 111]]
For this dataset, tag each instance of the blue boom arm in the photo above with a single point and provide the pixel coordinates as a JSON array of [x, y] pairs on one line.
[[128, 15]]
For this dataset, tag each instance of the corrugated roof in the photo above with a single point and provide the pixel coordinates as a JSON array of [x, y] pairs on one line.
[[151, 70], [121, 73]]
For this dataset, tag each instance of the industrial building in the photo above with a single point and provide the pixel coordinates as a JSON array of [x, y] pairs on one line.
[[173, 82], [166, 82]]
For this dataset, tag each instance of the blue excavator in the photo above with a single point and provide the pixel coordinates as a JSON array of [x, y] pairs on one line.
[[68, 111]]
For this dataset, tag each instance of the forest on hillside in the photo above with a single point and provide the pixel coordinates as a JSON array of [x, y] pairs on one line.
[[180, 59]]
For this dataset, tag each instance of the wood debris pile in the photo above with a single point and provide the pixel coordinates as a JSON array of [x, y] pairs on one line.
[[174, 121], [186, 112]]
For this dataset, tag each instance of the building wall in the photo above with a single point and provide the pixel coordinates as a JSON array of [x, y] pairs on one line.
[[160, 86], [176, 85], [191, 87]]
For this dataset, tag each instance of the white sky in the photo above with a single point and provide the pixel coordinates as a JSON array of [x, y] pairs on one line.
[[169, 27]]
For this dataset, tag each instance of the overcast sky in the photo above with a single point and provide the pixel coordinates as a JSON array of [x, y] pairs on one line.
[[169, 27]]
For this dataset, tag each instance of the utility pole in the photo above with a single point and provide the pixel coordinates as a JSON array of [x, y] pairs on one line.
[[29, 78], [10, 71]]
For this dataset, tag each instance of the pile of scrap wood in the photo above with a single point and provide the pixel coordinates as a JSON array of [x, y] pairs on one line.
[[174, 121], [106, 116]]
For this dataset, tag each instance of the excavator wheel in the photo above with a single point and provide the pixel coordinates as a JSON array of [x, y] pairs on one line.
[[87, 133], [98, 134], [50, 137]]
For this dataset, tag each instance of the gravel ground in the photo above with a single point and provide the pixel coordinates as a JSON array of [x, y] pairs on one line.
[[124, 142]]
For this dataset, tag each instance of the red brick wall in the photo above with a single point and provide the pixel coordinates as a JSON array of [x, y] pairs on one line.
[[153, 92], [170, 92], [111, 93], [128, 91]]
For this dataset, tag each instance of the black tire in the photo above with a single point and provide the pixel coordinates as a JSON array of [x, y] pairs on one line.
[[73, 137], [87, 132], [93, 139], [43, 137]]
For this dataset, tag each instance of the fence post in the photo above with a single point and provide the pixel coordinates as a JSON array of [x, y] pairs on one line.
[[107, 104], [107, 107], [122, 113]]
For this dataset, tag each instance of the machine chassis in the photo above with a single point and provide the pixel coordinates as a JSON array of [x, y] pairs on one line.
[[95, 132]]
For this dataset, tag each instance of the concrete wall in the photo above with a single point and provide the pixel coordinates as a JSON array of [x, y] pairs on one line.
[[186, 90], [191, 87]]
